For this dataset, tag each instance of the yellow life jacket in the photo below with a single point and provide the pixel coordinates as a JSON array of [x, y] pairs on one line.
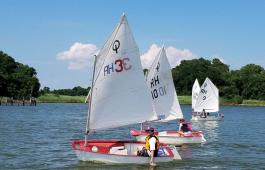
[[147, 145]]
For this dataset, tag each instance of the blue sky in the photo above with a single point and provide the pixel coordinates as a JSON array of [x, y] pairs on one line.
[[36, 32]]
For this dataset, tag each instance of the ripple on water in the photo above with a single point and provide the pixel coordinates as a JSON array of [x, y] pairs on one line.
[[39, 138]]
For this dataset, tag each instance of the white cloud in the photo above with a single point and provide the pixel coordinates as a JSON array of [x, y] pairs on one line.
[[79, 56], [148, 57], [174, 55]]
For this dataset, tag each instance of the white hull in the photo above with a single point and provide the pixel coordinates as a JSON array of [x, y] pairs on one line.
[[128, 155], [117, 159], [175, 138], [208, 118]]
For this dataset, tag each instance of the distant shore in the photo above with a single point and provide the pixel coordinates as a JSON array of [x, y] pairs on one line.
[[53, 98]]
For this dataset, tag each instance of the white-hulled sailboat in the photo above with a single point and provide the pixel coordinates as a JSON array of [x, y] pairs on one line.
[[119, 97], [166, 104], [207, 104]]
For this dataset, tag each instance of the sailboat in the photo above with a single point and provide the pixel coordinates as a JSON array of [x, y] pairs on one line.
[[195, 93], [119, 97], [166, 104], [207, 104]]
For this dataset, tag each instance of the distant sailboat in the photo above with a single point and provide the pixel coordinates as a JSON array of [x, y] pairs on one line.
[[166, 104], [207, 102], [195, 93], [119, 97]]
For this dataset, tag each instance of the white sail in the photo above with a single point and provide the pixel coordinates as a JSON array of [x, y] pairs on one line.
[[120, 95], [162, 89], [208, 98], [195, 93]]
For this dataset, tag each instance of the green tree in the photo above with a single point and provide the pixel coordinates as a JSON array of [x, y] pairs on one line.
[[188, 70], [76, 91], [17, 80], [250, 81]]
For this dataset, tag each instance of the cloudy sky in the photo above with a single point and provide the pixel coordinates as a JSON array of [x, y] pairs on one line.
[[59, 37]]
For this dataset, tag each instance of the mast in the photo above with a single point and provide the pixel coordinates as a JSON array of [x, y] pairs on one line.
[[89, 109]]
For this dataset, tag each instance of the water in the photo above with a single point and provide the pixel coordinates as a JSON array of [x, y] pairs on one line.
[[39, 138]]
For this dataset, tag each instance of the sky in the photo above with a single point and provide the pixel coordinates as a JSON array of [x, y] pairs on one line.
[[59, 37]]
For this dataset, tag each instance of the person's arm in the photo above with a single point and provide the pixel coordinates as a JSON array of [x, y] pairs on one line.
[[180, 124]]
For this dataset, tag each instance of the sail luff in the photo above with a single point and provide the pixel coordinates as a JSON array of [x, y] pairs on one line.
[[90, 101], [114, 33], [91, 96]]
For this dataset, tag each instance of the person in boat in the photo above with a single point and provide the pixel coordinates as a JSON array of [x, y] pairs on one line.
[[152, 144], [184, 126], [181, 121], [204, 114]]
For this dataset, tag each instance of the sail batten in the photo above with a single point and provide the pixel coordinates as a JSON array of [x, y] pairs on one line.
[[162, 89], [120, 95]]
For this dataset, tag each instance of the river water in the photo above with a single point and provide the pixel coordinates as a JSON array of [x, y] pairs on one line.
[[39, 138]]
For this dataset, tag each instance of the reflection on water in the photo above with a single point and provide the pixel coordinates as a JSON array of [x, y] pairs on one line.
[[185, 151], [209, 128], [39, 138]]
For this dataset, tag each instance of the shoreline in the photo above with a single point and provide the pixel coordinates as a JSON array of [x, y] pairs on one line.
[[183, 100]]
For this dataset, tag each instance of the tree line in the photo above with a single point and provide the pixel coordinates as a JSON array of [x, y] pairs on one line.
[[20, 81], [76, 91], [248, 82], [17, 80]]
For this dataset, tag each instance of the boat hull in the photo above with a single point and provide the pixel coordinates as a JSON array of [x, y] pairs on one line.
[[175, 137], [198, 117], [106, 154]]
